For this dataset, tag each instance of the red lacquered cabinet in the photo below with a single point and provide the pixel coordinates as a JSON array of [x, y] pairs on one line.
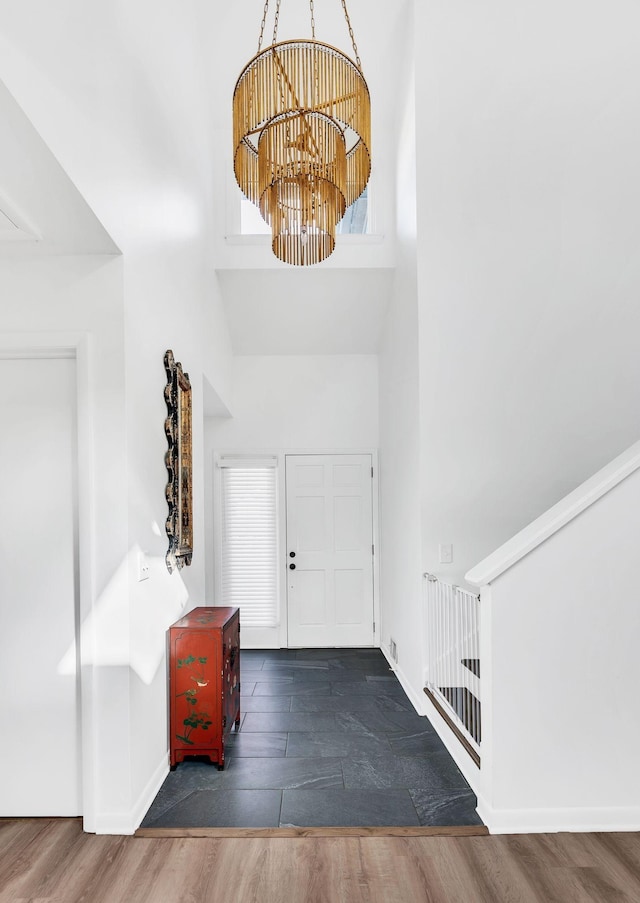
[[204, 683]]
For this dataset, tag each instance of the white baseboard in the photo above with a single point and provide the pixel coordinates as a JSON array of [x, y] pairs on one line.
[[414, 698], [149, 793], [129, 822], [114, 823], [550, 821], [457, 751]]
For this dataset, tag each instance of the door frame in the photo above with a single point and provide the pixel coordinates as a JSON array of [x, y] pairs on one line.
[[280, 454], [76, 345], [326, 456]]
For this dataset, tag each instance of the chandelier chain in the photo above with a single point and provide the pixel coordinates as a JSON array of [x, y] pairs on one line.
[[351, 35], [262, 24], [313, 21], [276, 23]]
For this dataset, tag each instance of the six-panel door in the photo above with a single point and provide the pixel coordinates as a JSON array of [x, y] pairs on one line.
[[329, 542]]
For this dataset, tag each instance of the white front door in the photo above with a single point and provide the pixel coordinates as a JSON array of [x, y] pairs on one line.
[[330, 544]]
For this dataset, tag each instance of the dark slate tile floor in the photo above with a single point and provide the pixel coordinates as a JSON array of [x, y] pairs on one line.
[[327, 738]]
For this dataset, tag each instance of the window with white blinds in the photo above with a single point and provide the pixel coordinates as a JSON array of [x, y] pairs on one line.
[[250, 541]]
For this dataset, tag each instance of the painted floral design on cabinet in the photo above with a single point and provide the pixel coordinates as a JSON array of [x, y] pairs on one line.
[[195, 718]]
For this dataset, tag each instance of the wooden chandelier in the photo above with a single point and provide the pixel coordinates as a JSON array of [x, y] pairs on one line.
[[301, 134]]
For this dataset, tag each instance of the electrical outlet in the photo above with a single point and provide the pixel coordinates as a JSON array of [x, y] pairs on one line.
[[393, 650], [445, 552], [143, 567]]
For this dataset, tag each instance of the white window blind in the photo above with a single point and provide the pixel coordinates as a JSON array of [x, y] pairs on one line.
[[250, 542]]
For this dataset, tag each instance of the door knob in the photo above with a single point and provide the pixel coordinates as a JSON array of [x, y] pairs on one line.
[[292, 554], [292, 567]]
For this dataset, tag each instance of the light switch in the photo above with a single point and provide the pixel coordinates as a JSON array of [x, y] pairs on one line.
[[445, 551]]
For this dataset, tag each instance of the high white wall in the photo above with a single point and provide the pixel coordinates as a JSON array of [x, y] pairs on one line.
[[83, 295], [401, 613], [156, 320], [528, 273], [301, 402], [560, 683], [118, 94], [293, 403], [59, 295], [127, 621]]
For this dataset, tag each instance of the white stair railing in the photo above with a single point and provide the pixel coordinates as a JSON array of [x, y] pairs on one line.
[[453, 658]]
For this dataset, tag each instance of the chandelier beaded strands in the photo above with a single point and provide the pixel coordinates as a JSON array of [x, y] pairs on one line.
[[302, 134]]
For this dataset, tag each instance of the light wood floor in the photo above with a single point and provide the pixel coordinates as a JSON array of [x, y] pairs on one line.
[[52, 861]]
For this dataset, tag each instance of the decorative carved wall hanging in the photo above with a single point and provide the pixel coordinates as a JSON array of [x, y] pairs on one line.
[[177, 426]]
